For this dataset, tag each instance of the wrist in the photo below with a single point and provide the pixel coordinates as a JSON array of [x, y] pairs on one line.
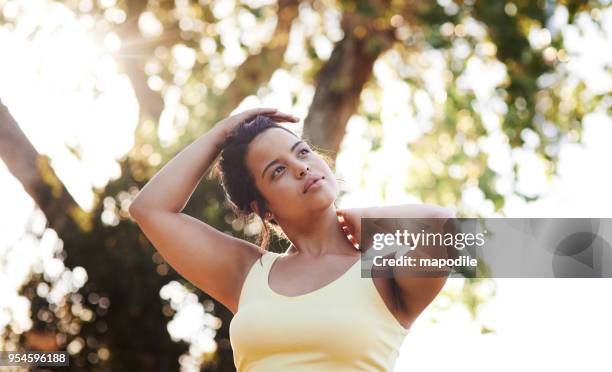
[[367, 212], [219, 133]]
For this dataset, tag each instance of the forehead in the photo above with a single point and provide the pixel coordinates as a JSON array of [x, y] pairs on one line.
[[267, 146]]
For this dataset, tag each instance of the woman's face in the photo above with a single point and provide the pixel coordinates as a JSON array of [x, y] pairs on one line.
[[284, 167]]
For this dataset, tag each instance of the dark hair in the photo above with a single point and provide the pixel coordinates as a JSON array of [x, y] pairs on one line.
[[237, 181]]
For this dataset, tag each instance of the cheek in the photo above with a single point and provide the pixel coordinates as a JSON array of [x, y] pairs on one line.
[[334, 186], [278, 192], [328, 173], [263, 187]]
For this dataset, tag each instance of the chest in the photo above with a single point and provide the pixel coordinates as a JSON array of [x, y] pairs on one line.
[[340, 327], [296, 285]]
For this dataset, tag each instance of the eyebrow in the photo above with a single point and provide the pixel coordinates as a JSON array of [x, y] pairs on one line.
[[276, 160]]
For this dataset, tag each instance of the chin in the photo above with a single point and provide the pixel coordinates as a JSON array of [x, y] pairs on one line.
[[324, 201]]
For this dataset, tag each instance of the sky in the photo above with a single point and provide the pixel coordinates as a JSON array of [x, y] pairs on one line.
[[560, 324]]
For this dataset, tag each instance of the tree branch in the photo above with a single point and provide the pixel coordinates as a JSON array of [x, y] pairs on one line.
[[35, 174], [258, 68], [135, 49], [340, 82]]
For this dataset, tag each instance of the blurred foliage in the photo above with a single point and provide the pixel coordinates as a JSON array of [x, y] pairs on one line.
[[537, 99], [176, 56]]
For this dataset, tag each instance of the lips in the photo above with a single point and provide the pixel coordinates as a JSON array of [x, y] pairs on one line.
[[310, 182]]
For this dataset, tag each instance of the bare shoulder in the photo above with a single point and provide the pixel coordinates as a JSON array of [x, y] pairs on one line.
[[214, 261], [250, 254]]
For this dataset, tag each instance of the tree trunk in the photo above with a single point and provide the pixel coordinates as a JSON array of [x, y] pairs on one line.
[[35, 174], [340, 82]]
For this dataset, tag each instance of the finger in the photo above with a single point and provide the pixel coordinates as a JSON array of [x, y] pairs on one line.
[[353, 240], [283, 117], [284, 120], [258, 111], [248, 114], [286, 115], [265, 109], [280, 113]]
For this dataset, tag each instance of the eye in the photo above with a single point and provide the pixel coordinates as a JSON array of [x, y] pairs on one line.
[[304, 151], [275, 173]]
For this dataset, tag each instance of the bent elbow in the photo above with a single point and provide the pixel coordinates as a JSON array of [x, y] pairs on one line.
[[447, 213], [135, 210], [442, 212]]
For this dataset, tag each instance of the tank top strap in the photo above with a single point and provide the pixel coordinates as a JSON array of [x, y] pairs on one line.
[[268, 259], [255, 282]]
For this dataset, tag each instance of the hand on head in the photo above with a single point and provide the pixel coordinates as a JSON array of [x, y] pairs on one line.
[[231, 122]]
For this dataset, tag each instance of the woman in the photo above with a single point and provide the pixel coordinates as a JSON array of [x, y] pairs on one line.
[[307, 309]]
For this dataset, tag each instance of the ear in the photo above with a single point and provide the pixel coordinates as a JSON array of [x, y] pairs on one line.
[[255, 207]]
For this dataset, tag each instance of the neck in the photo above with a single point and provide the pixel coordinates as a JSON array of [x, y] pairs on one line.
[[317, 235]]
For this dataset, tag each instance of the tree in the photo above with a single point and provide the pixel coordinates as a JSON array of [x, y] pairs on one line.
[[533, 95]]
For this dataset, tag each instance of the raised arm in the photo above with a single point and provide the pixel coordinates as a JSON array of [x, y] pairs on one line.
[[213, 261], [414, 293]]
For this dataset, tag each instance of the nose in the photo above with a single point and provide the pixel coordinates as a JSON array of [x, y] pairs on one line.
[[302, 169]]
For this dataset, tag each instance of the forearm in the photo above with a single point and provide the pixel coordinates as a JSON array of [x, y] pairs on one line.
[[172, 186], [407, 211], [415, 218]]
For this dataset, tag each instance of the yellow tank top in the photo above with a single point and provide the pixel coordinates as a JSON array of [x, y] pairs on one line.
[[343, 326]]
